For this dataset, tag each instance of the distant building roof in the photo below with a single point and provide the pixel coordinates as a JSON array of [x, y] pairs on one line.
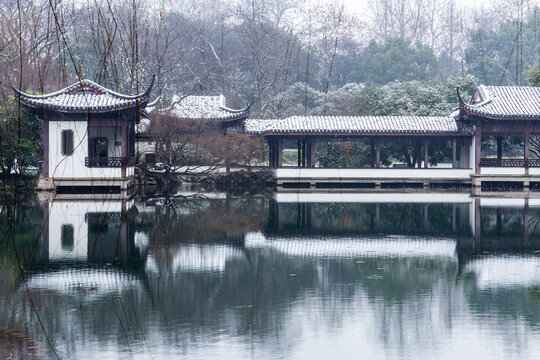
[[205, 108], [505, 102], [356, 125], [83, 97]]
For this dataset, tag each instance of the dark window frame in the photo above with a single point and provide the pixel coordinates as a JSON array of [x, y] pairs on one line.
[[67, 237], [65, 135]]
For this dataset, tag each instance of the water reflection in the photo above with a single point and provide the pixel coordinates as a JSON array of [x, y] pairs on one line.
[[263, 277]]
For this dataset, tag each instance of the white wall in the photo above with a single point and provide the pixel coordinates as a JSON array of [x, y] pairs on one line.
[[74, 213], [502, 171], [323, 173], [465, 153], [72, 166]]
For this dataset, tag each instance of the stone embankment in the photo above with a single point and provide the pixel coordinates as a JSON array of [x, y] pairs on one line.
[[241, 181]]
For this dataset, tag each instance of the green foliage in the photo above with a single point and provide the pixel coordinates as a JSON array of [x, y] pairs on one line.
[[501, 57], [534, 76], [355, 153], [20, 134], [398, 60], [467, 86]]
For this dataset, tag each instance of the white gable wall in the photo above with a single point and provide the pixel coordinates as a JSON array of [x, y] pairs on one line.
[[73, 166]]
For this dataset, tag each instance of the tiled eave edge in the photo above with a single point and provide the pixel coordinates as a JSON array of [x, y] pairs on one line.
[[220, 119], [34, 108], [498, 116], [232, 117], [340, 133]]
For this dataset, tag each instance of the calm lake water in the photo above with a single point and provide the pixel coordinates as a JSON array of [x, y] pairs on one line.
[[289, 276]]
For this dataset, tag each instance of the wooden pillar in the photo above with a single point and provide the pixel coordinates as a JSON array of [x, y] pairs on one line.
[[299, 147], [279, 152], [45, 164], [303, 150], [125, 154], [426, 153], [526, 150], [499, 147], [372, 152], [477, 149], [419, 153], [377, 152], [312, 149], [271, 151]]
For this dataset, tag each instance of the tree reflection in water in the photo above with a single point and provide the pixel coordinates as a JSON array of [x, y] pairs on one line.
[[249, 277]]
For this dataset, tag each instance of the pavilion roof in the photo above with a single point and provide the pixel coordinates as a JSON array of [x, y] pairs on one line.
[[204, 108], [505, 102], [357, 125], [83, 97]]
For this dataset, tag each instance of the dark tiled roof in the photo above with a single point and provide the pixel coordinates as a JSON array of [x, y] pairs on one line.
[[427, 125], [204, 107], [83, 97], [505, 102]]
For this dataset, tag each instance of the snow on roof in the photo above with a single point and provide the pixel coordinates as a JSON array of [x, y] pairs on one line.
[[258, 126], [82, 97], [505, 102], [204, 107], [356, 125]]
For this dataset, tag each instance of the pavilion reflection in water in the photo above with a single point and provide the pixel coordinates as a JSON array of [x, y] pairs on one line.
[[395, 225], [89, 247], [177, 280]]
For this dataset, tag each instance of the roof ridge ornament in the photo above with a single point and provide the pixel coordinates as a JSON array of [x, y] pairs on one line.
[[461, 102]]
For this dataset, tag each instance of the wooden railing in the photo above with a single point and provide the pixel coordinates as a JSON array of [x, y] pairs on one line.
[[491, 162], [109, 161]]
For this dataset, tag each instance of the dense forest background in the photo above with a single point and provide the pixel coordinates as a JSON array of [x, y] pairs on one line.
[[284, 56]]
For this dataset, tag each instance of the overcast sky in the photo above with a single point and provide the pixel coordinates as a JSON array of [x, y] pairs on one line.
[[360, 5]]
